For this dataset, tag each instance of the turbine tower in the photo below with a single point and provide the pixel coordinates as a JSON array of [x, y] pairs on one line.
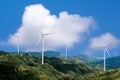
[[115, 53], [42, 44], [89, 54], [18, 37], [105, 51], [66, 52]]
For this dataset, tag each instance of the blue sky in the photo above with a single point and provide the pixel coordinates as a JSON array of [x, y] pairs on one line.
[[106, 14]]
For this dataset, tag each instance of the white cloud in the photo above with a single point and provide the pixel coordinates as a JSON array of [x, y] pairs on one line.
[[101, 41], [68, 28]]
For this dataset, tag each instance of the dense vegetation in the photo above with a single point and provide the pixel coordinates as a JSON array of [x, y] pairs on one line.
[[100, 75], [28, 67]]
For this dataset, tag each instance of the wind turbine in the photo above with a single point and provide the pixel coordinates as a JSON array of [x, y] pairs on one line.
[[66, 52], [89, 55], [43, 44], [115, 53], [18, 37], [105, 51]]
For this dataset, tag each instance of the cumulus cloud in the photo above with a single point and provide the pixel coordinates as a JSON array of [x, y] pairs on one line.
[[67, 28], [103, 40]]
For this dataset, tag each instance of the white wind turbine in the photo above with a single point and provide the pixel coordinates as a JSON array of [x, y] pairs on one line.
[[89, 55], [66, 52], [105, 51], [43, 44], [115, 53], [18, 37]]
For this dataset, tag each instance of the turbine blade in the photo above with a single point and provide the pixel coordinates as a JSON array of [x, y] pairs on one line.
[[39, 40], [107, 44], [107, 52], [48, 34], [17, 36], [41, 33]]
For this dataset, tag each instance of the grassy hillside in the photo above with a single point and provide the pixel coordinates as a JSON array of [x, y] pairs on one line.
[[108, 75], [3, 53], [28, 67]]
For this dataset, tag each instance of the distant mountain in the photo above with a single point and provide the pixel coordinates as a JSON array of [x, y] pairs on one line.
[[82, 59], [46, 53], [111, 63], [3, 53], [79, 58]]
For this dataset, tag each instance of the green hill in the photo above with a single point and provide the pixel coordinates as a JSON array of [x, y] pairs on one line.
[[108, 75], [28, 67], [3, 53]]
